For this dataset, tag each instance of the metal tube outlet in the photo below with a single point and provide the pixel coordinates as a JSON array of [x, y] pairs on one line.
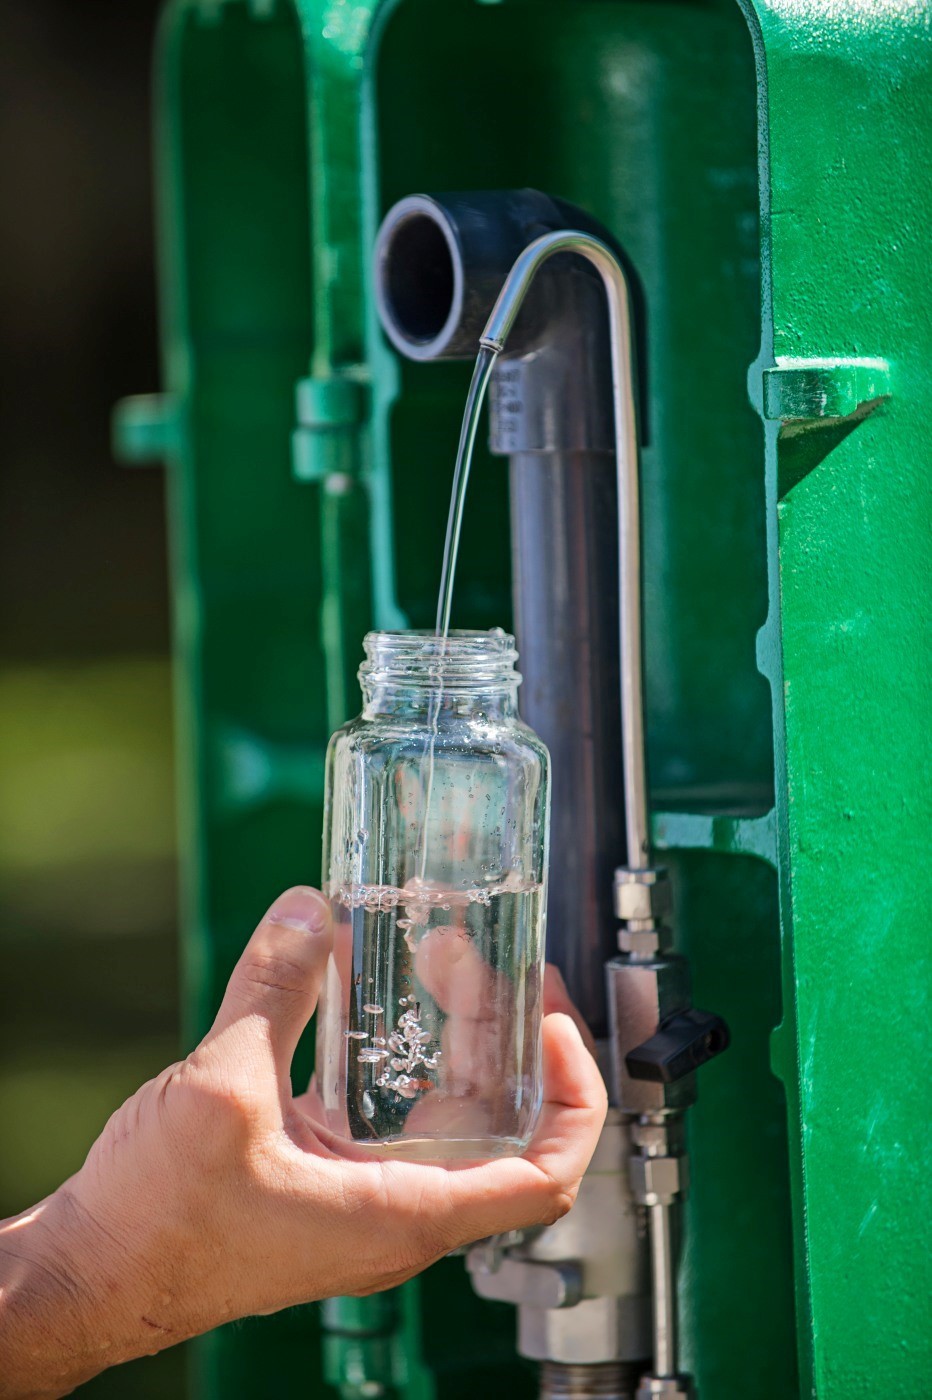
[[496, 332]]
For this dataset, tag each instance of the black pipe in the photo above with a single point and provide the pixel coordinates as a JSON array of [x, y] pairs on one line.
[[565, 582], [440, 263]]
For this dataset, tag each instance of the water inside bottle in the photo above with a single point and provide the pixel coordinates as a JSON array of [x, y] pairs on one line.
[[441, 1042], [437, 1050]]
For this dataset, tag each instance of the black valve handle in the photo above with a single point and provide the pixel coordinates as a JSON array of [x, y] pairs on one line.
[[682, 1043]]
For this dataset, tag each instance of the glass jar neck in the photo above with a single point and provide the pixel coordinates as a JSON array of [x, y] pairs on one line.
[[420, 674], [434, 703]]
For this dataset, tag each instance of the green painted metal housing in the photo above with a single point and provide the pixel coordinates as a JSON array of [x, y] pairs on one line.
[[764, 165]]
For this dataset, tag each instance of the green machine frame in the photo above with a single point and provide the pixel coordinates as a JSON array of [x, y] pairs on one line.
[[765, 166]]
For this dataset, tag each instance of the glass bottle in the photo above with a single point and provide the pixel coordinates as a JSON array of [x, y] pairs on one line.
[[435, 863]]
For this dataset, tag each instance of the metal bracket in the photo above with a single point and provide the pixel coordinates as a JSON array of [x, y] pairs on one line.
[[526, 1282], [330, 413], [817, 404], [803, 392]]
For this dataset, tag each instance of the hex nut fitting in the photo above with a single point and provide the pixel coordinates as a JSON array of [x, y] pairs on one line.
[[642, 894], [659, 1139], [658, 1181], [640, 942]]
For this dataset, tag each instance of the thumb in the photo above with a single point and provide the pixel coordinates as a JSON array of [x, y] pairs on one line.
[[277, 979]]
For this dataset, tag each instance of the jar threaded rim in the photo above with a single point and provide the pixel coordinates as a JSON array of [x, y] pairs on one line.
[[463, 658]]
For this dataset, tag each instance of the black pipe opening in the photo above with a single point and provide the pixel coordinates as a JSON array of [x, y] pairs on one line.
[[418, 278]]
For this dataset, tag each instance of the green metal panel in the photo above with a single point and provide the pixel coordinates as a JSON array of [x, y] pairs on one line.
[[846, 199], [745, 154], [236, 282]]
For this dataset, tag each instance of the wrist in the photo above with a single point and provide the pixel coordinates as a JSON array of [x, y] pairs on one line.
[[69, 1304]]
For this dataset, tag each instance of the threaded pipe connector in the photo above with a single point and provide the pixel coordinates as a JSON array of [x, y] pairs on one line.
[[609, 1380]]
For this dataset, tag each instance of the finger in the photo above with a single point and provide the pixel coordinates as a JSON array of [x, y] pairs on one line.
[[517, 1192], [557, 998], [452, 971], [277, 980], [575, 1102], [450, 968]]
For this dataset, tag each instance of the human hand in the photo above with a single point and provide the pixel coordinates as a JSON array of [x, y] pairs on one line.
[[213, 1193]]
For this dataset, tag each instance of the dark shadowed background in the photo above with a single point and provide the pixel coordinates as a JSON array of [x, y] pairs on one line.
[[87, 859]]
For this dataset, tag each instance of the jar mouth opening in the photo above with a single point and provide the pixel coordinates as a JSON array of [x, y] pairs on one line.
[[422, 658]]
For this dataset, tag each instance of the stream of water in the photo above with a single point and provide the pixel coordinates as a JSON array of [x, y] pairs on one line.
[[474, 400]]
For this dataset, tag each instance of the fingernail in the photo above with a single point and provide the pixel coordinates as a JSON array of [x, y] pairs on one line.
[[285, 921], [302, 908]]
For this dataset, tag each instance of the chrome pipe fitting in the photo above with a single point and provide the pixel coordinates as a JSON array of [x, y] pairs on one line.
[[612, 1380], [581, 1286]]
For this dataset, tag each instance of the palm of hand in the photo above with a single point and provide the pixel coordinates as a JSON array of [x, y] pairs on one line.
[[229, 1196]]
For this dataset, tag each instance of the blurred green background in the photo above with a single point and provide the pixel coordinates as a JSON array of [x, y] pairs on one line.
[[87, 856]]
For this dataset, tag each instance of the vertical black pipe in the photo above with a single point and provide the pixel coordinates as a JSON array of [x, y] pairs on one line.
[[565, 582]]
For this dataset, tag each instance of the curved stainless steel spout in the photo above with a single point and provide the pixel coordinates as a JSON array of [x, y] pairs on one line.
[[493, 338]]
